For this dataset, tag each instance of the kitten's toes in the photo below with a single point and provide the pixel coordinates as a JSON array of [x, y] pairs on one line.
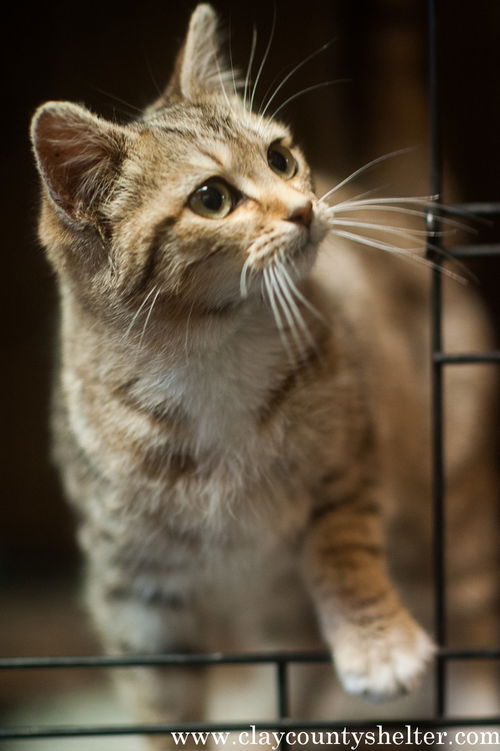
[[382, 660]]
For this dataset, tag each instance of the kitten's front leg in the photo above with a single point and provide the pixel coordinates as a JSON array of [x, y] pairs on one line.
[[379, 650], [145, 620]]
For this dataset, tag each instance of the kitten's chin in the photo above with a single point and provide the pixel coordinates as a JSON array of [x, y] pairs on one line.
[[300, 262], [301, 258]]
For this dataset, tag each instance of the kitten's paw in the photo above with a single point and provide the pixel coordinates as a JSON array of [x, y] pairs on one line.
[[382, 660]]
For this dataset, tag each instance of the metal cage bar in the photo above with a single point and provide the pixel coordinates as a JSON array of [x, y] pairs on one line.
[[440, 359], [282, 660], [436, 344]]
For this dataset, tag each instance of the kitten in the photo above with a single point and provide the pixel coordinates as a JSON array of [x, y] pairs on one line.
[[237, 418]]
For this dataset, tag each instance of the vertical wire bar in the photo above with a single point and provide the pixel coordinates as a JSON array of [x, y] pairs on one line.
[[283, 696], [437, 367]]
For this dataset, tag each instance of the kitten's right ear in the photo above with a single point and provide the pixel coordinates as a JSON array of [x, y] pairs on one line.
[[200, 67], [78, 155]]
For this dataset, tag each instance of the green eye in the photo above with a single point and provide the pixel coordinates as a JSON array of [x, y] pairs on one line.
[[281, 160], [213, 200]]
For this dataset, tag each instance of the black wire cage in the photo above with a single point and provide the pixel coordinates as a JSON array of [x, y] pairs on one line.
[[282, 661]]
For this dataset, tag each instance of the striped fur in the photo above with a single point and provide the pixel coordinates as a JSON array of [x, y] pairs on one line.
[[230, 468]]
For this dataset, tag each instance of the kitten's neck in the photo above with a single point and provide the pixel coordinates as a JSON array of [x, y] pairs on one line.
[[217, 369], [223, 362]]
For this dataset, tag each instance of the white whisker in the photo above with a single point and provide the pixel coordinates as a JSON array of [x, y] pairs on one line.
[[363, 194], [249, 68], [221, 81], [410, 254], [243, 278], [298, 294], [231, 64], [305, 91], [270, 294], [281, 300], [293, 71], [294, 309], [118, 99], [148, 317], [410, 234], [277, 315], [365, 167], [380, 244], [186, 337], [349, 206], [390, 229], [261, 66], [426, 201], [137, 313]]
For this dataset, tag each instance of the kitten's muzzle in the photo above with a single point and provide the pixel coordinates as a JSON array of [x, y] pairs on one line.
[[302, 214]]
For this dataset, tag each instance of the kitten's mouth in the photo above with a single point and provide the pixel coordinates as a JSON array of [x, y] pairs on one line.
[[295, 251], [290, 250]]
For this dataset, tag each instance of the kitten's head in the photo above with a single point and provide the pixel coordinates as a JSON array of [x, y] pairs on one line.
[[192, 202]]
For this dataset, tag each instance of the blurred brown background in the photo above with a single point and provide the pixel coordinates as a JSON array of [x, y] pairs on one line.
[[109, 54]]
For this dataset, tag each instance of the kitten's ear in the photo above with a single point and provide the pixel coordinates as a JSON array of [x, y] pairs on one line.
[[78, 156], [200, 67]]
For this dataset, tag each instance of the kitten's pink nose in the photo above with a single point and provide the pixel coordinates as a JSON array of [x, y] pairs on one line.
[[302, 214]]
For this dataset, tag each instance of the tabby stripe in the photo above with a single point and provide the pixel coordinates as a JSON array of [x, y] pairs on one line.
[[149, 266], [364, 449], [367, 507], [168, 419], [360, 601], [332, 476], [369, 619], [366, 444], [278, 396], [171, 600], [212, 157], [158, 463], [349, 549]]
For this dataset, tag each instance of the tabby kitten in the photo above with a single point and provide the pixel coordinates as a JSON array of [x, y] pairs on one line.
[[234, 427]]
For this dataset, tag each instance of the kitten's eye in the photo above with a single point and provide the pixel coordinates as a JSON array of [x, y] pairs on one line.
[[213, 200], [281, 160]]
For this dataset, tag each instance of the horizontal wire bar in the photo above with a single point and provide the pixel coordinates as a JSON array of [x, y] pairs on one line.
[[481, 208], [213, 658], [484, 653], [68, 731], [466, 358], [483, 250]]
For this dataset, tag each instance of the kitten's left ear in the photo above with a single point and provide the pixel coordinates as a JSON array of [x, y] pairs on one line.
[[200, 67]]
